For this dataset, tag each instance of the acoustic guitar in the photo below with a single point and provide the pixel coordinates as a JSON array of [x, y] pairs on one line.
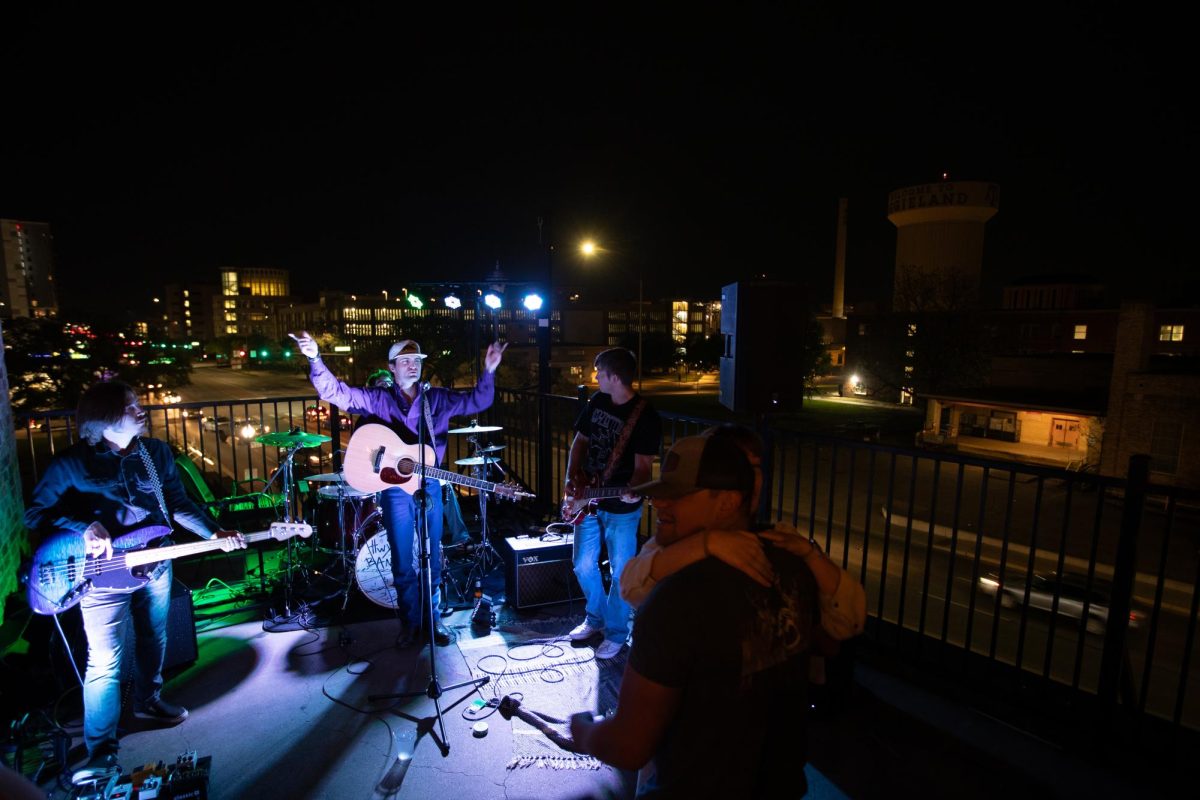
[[378, 459]]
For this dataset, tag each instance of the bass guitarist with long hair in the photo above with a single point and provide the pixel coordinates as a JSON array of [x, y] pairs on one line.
[[616, 439], [115, 483]]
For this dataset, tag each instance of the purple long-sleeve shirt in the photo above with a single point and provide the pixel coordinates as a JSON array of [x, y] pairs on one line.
[[391, 406]]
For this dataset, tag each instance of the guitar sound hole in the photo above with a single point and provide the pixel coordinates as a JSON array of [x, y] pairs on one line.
[[406, 467]]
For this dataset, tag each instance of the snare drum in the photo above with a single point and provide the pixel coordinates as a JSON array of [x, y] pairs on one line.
[[345, 518]]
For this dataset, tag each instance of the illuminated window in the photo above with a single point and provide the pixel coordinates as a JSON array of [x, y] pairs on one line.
[[1170, 333], [1081, 331]]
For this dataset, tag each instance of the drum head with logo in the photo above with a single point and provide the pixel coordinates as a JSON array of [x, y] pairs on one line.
[[373, 571]]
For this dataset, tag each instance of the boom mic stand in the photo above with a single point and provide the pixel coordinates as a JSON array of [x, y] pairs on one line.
[[433, 690]]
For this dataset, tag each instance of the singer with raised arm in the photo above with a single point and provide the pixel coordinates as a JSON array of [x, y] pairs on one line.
[[401, 406]]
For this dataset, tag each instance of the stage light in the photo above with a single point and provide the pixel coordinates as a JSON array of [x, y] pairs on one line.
[[532, 302], [415, 301], [492, 300], [452, 301]]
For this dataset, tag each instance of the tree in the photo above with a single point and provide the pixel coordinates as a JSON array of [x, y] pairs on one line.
[[704, 351]]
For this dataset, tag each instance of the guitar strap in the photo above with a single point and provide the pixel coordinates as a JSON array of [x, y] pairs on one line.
[[619, 447], [154, 481]]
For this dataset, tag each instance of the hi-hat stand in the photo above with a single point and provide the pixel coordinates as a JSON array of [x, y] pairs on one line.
[[301, 616], [433, 690], [484, 557]]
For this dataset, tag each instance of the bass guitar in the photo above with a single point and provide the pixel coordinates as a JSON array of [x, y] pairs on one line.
[[378, 459], [62, 572], [577, 506]]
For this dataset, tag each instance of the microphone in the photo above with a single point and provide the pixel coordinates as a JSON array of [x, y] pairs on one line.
[[424, 386]]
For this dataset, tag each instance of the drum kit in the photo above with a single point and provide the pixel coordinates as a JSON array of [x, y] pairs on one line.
[[348, 524]]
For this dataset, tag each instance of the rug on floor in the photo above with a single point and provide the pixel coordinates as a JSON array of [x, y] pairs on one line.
[[536, 663]]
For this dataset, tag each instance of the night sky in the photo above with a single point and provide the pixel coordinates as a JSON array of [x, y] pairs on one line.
[[361, 151]]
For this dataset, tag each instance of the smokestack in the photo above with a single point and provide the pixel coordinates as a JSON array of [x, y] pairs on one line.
[[839, 269]]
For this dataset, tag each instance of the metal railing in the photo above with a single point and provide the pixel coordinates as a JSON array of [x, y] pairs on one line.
[[958, 554]]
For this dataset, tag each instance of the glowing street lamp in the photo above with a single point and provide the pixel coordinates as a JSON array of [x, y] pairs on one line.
[[589, 248]]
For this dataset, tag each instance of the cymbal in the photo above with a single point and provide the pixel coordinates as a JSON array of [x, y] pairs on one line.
[[330, 477], [342, 491], [476, 461], [476, 429], [298, 439], [495, 448]]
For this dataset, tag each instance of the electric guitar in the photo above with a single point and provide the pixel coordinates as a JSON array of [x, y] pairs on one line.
[[62, 572], [577, 506], [378, 459]]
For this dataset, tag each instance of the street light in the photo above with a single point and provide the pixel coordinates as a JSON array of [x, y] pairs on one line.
[[589, 248]]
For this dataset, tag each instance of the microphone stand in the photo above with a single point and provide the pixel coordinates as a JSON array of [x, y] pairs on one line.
[[433, 690]]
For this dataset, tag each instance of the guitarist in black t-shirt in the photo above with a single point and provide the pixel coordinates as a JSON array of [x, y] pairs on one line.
[[616, 439]]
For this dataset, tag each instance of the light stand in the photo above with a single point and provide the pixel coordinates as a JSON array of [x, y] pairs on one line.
[[433, 690]]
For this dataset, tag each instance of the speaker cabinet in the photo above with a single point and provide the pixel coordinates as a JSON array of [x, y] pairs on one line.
[[539, 573], [763, 323]]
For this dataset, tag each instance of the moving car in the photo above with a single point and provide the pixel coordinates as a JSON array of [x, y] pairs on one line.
[[1072, 590]]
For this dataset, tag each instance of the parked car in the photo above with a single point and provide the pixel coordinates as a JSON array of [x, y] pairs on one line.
[[1071, 588]]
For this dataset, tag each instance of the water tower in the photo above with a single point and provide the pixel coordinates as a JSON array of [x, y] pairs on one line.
[[939, 243]]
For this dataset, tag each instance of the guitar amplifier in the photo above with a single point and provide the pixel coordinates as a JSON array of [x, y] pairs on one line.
[[539, 573]]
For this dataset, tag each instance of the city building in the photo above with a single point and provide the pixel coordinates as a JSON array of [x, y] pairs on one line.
[[188, 311], [246, 304], [27, 265]]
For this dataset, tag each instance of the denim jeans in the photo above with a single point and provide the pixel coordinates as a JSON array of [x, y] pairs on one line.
[[399, 517], [105, 617], [619, 532]]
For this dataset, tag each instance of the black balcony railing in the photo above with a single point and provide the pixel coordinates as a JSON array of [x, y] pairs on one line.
[[1040, 593]]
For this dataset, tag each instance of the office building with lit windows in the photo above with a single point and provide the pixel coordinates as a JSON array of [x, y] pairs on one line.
[[27, 264]]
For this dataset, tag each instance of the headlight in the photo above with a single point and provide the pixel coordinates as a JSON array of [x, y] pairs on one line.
[[247, 431], [989, 582]]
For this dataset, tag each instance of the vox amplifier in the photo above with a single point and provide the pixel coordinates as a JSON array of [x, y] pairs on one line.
[[539, 572]]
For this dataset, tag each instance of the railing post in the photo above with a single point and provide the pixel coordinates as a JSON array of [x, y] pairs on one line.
[[763, 512], [1113, 662]]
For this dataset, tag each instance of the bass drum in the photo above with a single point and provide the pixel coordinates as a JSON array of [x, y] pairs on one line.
[[373, 571]]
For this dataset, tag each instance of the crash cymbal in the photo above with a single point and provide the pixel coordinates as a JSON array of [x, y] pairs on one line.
[[298, 439], [476, 429], [327, 477], [495, 448], [476, 461]]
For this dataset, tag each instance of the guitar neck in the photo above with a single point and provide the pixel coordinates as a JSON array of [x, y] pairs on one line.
[[140, 557], [461, 480], [603, 492]]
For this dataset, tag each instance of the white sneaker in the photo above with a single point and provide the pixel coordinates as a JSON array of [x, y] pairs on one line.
[[608, 649], [583, 631]]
